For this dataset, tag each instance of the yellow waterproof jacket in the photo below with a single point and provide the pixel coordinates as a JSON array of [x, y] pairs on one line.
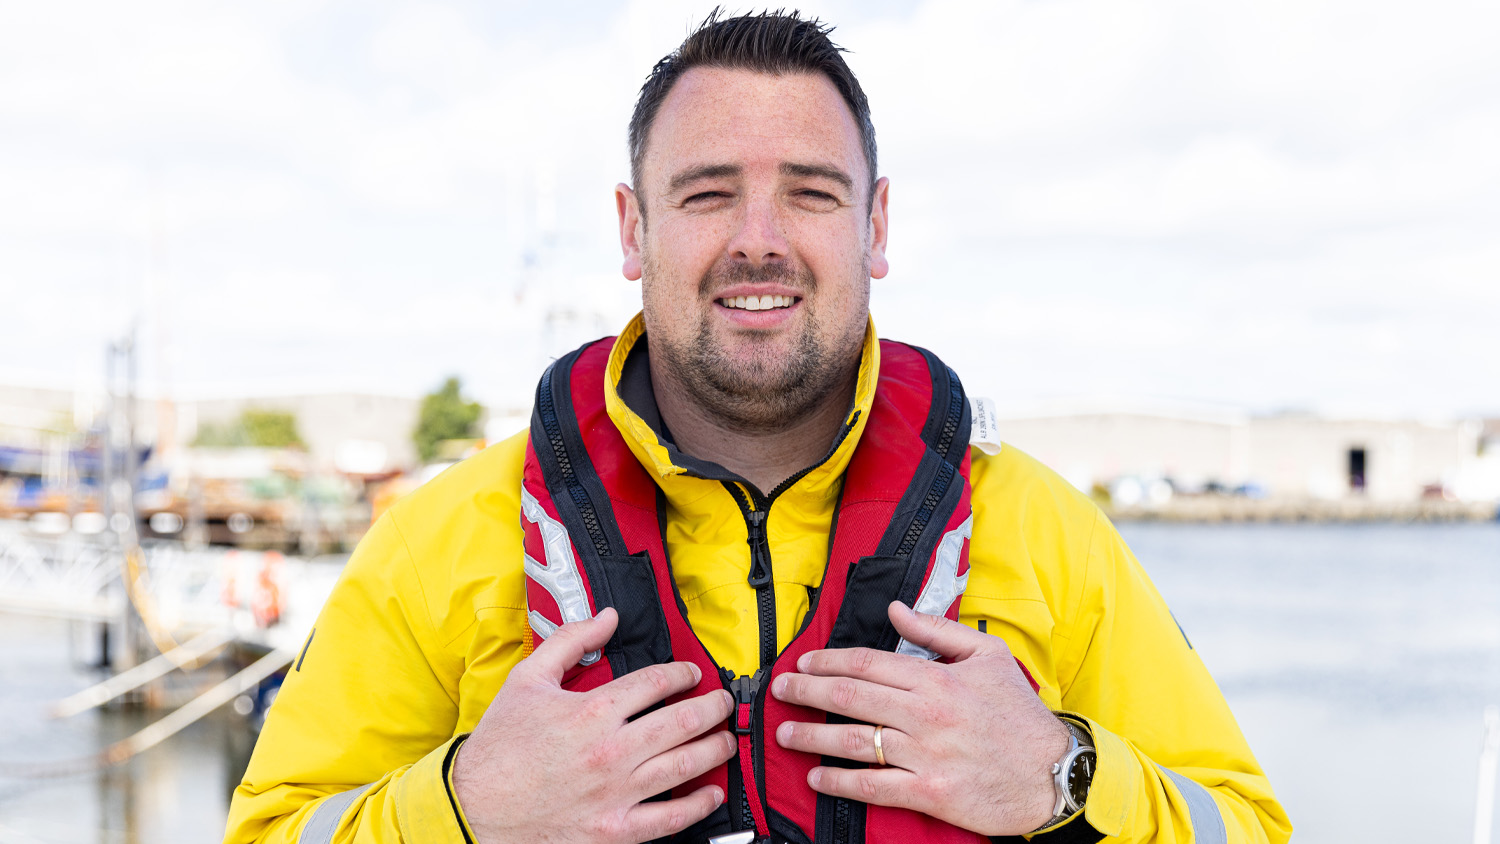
[[429, 617]]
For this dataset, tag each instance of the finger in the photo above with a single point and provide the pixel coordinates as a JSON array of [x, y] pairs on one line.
[[937, 633], [565, 647], [858, 699], [644, 687], [898, 671], [846, 741], [880, 786], [659, 819], [672, 725], [666, 771]]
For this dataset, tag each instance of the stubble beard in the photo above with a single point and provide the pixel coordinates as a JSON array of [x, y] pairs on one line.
[[768, 392]]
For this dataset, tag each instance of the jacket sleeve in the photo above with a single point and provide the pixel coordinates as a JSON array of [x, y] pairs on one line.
[[1173, 766], [358, 744]]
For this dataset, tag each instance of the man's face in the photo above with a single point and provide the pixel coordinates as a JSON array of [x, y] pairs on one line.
[[754, 188]]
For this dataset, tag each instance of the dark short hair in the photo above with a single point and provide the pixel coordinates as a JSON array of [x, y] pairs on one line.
[[778, 43]]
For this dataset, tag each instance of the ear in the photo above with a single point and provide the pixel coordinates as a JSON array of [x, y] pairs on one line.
[[629, 208], [879, 228]]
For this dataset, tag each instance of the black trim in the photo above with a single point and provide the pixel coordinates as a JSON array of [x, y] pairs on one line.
[[305, 646], [1075, 831], [458, 816]]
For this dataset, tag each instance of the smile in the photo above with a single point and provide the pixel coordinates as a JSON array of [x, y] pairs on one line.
[[759, 303]]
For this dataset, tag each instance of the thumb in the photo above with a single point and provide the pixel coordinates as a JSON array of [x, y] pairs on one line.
[[565, 647], [937, 633]]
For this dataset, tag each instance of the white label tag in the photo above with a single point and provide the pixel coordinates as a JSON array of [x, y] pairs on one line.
[[984, 431]]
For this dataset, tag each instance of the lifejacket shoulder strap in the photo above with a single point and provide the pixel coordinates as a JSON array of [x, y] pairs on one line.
[[931, 515], [572, 441]]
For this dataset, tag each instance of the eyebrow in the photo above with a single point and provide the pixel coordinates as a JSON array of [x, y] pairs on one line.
[[788, 168], [703, 171], [818, 171]]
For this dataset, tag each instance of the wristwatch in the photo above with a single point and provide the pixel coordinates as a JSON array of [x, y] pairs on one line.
[[1072, 775]]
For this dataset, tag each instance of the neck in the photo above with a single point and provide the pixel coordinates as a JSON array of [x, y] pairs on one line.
[[764, 458]]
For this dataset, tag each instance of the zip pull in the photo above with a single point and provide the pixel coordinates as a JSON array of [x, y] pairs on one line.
[[744, 690], [760, 549]]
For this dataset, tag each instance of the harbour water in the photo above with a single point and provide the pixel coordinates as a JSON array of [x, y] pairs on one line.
[[1358, 659]]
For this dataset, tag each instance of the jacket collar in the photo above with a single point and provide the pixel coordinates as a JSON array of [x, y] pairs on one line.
[[631, 404]]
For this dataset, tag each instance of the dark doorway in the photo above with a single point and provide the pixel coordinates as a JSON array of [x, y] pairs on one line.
[[1357, 470]]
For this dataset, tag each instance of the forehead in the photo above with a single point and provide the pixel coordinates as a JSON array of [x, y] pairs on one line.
[[752, 119]]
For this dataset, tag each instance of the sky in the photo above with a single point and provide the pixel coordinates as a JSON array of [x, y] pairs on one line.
[[1263, 205]]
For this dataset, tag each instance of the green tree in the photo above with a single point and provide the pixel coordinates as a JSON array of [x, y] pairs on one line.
[[264, 428], [445, 415], [271, 428]]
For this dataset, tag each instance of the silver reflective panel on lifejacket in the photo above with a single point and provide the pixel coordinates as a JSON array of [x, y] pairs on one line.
[[945, 584], [560, 576]]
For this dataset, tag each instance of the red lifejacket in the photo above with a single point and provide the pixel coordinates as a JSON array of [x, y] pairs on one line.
[[594, 522]]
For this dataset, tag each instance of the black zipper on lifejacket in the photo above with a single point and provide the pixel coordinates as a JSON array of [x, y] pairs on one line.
[[945, 474], [748, 721], [547, 409], [841, 822]]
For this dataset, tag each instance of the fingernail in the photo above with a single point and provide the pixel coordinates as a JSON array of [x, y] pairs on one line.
[[814, 776], [697, 673], [728, 699], [803, 662], [904, 609], [784, 733], [718, 797], [778, 688]]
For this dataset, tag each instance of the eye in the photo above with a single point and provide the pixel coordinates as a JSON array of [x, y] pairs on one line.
[[817, 198], [705, 196]]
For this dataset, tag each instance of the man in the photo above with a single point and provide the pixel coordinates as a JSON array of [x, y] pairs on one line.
[[711, 636]]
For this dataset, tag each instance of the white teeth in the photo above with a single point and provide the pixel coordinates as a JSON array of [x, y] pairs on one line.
[[758, 303]]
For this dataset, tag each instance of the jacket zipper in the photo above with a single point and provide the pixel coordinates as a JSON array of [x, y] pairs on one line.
[[760, 581], [746, 689]]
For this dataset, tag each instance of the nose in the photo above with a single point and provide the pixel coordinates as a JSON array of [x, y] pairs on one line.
[[757, 238]]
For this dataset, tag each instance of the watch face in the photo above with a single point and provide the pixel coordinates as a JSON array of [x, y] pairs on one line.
[[1080, 774]]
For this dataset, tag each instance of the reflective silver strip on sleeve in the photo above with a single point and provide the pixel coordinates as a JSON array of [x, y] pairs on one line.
[[325, 820], [1208, 824]]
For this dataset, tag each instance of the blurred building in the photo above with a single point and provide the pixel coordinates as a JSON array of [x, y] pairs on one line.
[[1290, 455], [356, 433]]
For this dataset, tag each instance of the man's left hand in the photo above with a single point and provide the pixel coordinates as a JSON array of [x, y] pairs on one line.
[[967, 742]]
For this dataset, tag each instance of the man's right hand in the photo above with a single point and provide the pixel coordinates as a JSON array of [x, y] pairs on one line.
[[549, 765]]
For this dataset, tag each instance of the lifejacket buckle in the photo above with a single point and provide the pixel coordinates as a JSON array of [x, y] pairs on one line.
[[744, 836]]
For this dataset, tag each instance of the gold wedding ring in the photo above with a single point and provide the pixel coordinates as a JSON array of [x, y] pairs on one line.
[[879, 751]]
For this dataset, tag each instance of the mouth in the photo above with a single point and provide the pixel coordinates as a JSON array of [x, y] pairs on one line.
[[759, 303]]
